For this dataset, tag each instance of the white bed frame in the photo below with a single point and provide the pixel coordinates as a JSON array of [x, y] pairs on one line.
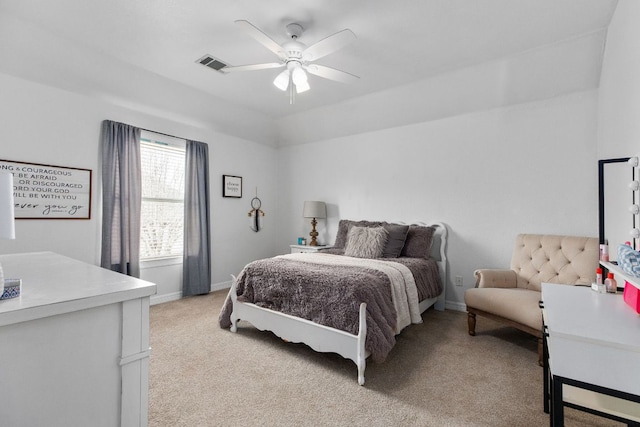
[[326, 339]]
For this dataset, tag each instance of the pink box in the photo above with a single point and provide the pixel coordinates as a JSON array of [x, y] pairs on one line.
[[632, 296]]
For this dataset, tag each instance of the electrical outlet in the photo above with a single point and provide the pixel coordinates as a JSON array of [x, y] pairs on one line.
[[458, 280]]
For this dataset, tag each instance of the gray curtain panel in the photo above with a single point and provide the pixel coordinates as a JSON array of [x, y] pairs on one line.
[[196, 268], [121, 198]]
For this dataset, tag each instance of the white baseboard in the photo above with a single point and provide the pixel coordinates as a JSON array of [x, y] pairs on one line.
[[174, 296], [221, 285], [456, 306], [159, 299]]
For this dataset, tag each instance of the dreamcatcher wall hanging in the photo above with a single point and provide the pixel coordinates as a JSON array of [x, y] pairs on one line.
[[256, 214]]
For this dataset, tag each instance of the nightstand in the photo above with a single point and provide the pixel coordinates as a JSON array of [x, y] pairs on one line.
[[299, 249]]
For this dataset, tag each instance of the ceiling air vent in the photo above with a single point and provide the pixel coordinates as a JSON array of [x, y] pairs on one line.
[[211, 62]]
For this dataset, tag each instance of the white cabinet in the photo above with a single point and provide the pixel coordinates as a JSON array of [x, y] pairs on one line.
[[74, 347]]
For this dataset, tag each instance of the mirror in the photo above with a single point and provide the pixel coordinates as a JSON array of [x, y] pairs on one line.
[[614, 199]]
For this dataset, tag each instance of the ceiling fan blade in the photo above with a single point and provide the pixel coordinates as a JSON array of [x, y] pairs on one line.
[[328, 45], [252, 67], [261, 37], [331, 73]]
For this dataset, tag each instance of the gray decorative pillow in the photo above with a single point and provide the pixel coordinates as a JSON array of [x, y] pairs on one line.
[[366, 242], [341, 236], [343, 229], [395, 241], [419, 241]]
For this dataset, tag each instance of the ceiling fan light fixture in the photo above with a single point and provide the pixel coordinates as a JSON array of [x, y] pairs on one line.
[[298, 76], [282, 80], [302, 87]]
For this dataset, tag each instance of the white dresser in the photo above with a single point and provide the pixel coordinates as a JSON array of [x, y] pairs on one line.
[[74, 347]]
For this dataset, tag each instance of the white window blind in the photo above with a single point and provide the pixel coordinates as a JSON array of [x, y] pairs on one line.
[[162, 214]]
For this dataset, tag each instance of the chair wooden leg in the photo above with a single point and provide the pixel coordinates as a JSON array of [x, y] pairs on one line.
[[471, 320]]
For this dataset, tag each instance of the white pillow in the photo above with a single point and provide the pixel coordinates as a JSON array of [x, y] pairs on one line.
[[366, 242]]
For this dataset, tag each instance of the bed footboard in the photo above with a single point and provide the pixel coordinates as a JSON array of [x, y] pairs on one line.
[[294, 329]]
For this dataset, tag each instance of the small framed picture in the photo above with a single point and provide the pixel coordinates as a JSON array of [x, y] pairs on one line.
[[232, 186]]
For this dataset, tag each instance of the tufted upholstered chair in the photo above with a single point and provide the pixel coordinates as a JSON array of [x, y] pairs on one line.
[[512, 296]]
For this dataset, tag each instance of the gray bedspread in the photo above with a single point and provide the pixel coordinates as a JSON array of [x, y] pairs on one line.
[[425, 272], [331, 295]]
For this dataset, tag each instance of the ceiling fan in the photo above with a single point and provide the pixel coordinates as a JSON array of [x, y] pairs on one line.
[[297, 58]]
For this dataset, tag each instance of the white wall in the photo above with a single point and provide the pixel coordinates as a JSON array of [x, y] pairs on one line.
[[618, 123], [619, 98], [487, 175], [41, 124]]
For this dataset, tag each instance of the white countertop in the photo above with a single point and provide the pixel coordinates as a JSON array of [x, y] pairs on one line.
[[584, 314], [55, 284]]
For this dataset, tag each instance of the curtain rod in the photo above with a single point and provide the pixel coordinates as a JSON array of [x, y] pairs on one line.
[[165, 134]]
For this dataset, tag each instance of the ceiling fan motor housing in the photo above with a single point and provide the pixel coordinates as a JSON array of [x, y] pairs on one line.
[[293, 50], [294, 30]]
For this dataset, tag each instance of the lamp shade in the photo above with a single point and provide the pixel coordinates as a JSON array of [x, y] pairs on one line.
[[282, 80], [7, 228], [302, 87], [298, 76], [314, 210]]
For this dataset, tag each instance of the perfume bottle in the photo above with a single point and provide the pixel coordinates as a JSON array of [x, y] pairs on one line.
[[611, 284], [604, 251]]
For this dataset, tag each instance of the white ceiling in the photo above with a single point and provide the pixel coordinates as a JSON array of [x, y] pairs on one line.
[[397, 42]]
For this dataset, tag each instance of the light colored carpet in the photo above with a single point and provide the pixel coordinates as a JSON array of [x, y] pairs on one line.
[[436, 375]]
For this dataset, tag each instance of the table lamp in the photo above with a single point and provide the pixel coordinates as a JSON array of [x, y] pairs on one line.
[[7, 228], [314, 210]]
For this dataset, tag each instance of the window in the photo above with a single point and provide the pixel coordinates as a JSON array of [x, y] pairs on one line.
[[162, 215]]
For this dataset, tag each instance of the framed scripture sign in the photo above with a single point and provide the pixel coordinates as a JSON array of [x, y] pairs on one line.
[[231, 186], [49, 192]]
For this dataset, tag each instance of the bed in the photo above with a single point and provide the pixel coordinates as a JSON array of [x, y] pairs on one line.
[[351, 299]]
